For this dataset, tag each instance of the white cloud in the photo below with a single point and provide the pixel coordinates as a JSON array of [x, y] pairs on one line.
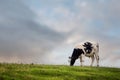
[[64, 26], [80, 3], [21, 37], [80, 23], [60, 19]]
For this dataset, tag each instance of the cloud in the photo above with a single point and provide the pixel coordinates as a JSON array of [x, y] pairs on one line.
[[88, 20], [22, 39], [43, 31]]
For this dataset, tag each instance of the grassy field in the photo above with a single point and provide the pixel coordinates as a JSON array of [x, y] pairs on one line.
[[56, 72]]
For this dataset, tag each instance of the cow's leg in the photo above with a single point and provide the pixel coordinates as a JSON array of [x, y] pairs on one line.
[[81, 61], [97, 59], [92, 58]]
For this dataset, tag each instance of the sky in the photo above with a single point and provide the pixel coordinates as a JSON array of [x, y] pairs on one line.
[[46, 31]]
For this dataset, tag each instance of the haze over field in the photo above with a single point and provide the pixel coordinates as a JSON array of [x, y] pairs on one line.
[[46, 31]]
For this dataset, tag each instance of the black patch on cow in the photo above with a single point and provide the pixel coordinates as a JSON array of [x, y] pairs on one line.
[[75, 55], [88, 47]]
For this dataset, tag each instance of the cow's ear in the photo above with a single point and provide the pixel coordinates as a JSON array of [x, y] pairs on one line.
[[69, 57]]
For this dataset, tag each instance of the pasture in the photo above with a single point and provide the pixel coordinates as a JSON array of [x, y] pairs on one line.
[[56, 72]]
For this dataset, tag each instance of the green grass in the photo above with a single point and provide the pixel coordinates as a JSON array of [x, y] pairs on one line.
[[56, 72]]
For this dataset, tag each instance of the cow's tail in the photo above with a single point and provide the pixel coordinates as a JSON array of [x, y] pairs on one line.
[[97, 45]]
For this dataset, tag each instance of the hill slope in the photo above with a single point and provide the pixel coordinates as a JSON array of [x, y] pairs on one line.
[[56, 72]]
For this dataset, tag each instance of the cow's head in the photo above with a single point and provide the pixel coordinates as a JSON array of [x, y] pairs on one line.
[[71, 61], [75, 55]]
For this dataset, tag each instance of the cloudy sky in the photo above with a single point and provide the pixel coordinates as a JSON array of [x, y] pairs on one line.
[[46, 31]]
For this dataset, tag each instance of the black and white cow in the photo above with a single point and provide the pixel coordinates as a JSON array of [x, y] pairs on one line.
[[87, 49]]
